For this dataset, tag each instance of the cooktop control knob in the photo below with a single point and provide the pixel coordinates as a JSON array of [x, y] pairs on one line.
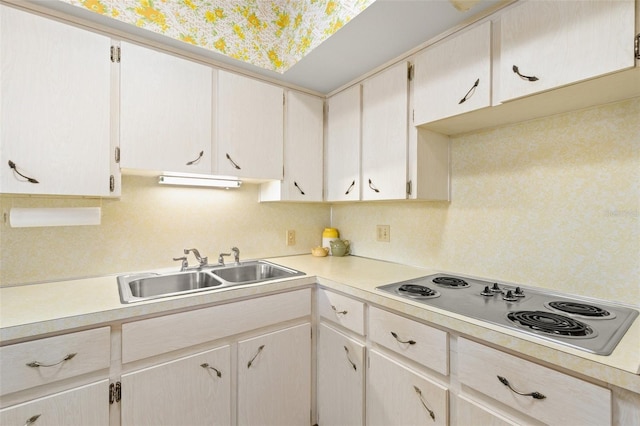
[[518, 292], [509, 297], [496, 288], [487, 292]]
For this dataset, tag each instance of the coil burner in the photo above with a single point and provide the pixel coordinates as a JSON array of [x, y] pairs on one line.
[[417, 291], [550, 323], [580, 310], [450, 282]]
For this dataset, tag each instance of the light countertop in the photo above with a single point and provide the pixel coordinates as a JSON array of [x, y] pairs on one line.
[[38, 309]]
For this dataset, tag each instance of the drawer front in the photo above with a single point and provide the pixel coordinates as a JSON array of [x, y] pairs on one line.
[[398, 396], [42, 361], [419, 342], [479, 368], [142, 339], [86, 405], [341, 310]]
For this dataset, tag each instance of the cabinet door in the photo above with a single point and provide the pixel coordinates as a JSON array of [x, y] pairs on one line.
[[274, 378], [250, 127], [397, 395], [343, 145], [470, 413], [340, 379], [54, 107], [85, 405], [562, 42], [385, 104], [194, 390], [453, 77], [165, 112], [303, 151]]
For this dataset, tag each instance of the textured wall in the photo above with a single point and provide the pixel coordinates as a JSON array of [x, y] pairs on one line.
[[149, 225], [552, 203]]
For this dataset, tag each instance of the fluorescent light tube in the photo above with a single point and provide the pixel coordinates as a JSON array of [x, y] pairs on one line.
[[211, 182], [72, 216]]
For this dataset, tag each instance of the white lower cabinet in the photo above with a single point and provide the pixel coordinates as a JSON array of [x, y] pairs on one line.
[[194, 390], [340, 379], [85, 405], [542, 394], [470, 413], [274, 378], [398, 395]]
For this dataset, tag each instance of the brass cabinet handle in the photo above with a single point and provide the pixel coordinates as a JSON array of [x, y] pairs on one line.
[[13, 166], [524, 77], [338, 312], [255, 356], [424, 404], [232, 162], [395, 336], [349, 359], [350, 187], [36, 364], [206, 365], [31, 420], [470, 92], [192, 162], [534, 395]]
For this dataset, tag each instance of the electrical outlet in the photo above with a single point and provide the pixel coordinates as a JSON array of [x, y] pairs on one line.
[[291, 237], [383, 233]]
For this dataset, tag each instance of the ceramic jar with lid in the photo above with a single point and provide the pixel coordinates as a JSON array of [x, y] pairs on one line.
[[328, 235]]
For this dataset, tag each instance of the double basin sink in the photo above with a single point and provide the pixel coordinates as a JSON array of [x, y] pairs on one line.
[[146, 286]]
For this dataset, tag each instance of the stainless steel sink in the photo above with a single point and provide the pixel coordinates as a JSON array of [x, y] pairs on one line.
[[146, 286], [249, 272]]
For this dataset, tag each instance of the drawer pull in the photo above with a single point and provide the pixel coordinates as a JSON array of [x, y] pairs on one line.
[[233, 163], [337, 311], [206, 365], [395, 336], [470, 92], [192, 162], [31, 420], [40, 364], [430, 411], [524, 77], [534, 395], [255, 356], [349, 359]]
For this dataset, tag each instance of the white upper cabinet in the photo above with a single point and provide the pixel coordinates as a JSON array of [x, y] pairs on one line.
[[343, 145], [547, 44], [55, 94], [303, 151], [453, 77], [385, 102], [165, 112], [250, 128]]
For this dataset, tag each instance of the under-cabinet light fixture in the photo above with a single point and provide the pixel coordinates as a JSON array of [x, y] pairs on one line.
[[206, 181]]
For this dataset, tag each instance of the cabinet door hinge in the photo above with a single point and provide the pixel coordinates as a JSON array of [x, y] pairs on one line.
[[115, 392], [115, 54], [117, 153], [410, 72], [637, 46], [112, 183]]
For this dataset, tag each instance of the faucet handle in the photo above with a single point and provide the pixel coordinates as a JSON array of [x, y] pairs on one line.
[[185, 263], [221, 258]]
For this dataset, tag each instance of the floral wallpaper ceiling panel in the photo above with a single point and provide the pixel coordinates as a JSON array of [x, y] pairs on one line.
[[270, 34]]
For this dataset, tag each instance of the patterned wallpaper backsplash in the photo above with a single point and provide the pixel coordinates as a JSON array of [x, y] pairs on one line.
[[271, 34]]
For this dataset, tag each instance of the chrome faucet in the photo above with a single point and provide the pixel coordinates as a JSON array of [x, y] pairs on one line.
[[202, 261], [236, 256], [184, 263]]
